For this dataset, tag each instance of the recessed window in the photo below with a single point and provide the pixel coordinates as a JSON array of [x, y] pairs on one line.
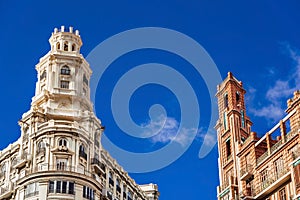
[[64, 84], [43, 75], [32, 190], [237, 96], [226, 100], [82, 153], [62, 142], [282, 194], [228, 147], [85, 80], [65, 70], [3, 171], [65, 187], [243, 118], [88, 193], [73, 47], [41, 147], [58, 46], [66, 46]]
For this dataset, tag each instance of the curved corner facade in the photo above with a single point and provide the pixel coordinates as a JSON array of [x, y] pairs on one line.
[[59, 154]]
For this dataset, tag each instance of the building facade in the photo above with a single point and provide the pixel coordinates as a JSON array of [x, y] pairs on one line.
[[252, 167], [59, 154]]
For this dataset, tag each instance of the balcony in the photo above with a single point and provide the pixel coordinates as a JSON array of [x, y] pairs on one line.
[[246, 172], [225, 188], [100, 166], [277, 146], [272, 182]]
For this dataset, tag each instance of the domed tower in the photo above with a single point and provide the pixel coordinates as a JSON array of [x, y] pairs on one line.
[[60, 133], [59, 154], [62, 89]]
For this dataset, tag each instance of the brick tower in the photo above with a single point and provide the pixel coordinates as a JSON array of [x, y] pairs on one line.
[[233, 127]]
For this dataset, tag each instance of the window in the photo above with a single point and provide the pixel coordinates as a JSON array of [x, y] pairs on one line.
[[43, 75], [3, 171], [62, 142], [282, 194], [85, 80], [51, 187], [41, 147], [64, 84], [61, 164], [82, 153], [225, 120], [111, 181], [237, 96], [58, 187], [264, 177], [66, 46], [226, 100], [65, 187], [279, 166], [58, 46], [88, 193], [228, 147], [32, 190], [129, 195], [243, 118], [65, 70], [118, 186], [73, 47], [71, 188]]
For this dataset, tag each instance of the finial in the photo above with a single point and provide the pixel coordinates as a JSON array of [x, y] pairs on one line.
[[71, 29], [76, 32], [55, 30], [62, 29]]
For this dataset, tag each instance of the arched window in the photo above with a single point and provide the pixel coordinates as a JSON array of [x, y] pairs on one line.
[[66, 46], [73, 47], [58, 45], [3, 171], [226, 100], [41, 147], [82, 153], [237, 96], [62, 142], [65, 70]]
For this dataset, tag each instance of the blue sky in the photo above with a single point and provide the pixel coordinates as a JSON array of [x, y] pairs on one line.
[[258, 41]]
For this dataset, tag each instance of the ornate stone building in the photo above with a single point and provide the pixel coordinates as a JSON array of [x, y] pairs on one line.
[[59, 154], [252, 167]]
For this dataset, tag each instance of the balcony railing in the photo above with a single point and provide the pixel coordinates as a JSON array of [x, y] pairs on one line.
[[95, 161], [276, 146], [269, 180]]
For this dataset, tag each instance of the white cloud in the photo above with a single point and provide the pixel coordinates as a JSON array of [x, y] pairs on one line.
[[278, 93], [165, 130]]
